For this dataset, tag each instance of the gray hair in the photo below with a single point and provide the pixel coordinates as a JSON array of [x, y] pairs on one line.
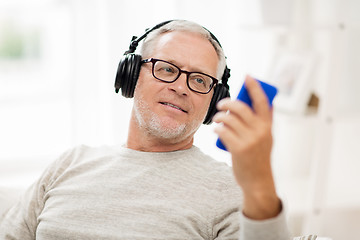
[[185, 26]]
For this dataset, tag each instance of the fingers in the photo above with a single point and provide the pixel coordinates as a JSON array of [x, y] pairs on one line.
[[237, 120], [231, 123], [240, 109], [240, 123], [227, 136]]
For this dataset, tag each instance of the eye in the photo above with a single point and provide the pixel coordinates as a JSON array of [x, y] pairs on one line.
[[199, 80], [168, 69], [165, 68]]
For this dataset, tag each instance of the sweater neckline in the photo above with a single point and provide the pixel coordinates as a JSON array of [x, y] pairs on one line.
[[131, 153]]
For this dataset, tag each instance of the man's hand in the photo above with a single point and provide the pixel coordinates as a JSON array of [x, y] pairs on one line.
[[246, 133]]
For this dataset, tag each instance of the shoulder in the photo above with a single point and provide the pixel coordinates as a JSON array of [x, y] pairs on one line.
[[81, 153], [72, 158]]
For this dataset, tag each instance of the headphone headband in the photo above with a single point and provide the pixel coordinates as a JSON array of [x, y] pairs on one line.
[[135, 42]]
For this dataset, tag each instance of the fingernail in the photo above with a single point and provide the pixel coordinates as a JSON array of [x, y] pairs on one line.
[[215, 117], [221, 102], [218, 105]]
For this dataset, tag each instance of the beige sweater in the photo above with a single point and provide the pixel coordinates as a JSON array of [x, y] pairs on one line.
[[118, 193]]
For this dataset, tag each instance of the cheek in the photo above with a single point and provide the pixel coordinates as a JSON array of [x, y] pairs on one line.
[[146, 82], [140, 81], [203, 107], [141, 88]]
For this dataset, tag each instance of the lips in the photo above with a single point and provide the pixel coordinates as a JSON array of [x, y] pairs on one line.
[[174, 106]]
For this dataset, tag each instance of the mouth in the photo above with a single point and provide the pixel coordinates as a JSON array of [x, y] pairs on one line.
[[173, 106]]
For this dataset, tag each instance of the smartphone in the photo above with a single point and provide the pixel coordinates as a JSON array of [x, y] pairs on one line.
[[243, 95]]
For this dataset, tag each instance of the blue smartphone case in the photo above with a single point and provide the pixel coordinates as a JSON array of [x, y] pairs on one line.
[[243, 95]]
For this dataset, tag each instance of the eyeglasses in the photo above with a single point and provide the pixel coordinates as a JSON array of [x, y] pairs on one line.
[[168, 72]]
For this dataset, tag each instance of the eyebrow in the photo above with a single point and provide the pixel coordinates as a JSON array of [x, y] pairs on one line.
[[191, 70]]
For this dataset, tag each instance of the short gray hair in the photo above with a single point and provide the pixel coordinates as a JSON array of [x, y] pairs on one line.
[[185, 26]]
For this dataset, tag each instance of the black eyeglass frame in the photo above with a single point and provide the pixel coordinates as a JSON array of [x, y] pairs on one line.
[[154, 60]]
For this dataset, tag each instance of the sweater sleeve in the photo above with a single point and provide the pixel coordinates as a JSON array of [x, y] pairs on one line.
[[235, 225], [270, 229], [20, 222], [231, 223]]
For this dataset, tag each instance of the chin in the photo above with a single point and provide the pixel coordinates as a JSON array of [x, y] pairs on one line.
[[170, 130], [166, 128], [163, 127]]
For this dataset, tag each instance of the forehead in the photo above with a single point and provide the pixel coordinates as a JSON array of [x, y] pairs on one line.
[[189, 50]]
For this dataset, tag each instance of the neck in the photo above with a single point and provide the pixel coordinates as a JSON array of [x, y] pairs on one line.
[[140, 139]]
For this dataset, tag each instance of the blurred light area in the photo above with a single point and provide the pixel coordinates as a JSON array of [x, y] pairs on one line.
[[36, 96], [35, 58], [58, 60]]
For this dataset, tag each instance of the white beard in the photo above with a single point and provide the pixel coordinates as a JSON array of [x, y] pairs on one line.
[[159, 128]]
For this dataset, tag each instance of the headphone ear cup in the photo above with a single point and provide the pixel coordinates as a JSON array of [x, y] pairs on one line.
[[220, 92], [119, 74], [127, 74]]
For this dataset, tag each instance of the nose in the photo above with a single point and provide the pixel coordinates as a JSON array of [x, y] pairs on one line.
[[180, 85]]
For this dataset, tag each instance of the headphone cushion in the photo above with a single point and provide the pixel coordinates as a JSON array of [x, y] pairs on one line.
[[127, 74], [119, 80], [134, 66], [220, 92]]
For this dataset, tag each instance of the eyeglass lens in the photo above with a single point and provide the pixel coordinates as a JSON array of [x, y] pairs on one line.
[[168, 72]]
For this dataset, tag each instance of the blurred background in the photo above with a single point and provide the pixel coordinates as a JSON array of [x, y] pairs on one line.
[[58, 60]]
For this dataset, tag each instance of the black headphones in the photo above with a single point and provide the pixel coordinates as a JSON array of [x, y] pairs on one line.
[[129, 69]]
